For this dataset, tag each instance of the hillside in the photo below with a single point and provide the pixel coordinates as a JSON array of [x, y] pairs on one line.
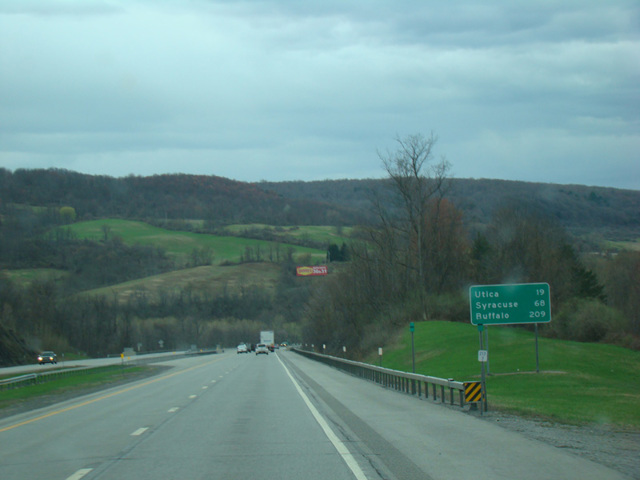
[[96, 263], [611, 213], [201, 280], [608, 213], [217, 200]]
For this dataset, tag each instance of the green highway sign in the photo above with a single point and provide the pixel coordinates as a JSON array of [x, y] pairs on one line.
[[514, 303]]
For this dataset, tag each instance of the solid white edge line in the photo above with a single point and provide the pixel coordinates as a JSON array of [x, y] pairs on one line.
[[333, 438], [79, 474]]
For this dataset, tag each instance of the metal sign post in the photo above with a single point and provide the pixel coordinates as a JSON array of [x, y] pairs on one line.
[[486, 347], [537, 354], [412, 327], [482, 358]]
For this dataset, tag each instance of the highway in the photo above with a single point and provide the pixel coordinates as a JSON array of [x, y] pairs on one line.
[[91, 363], [280, 416]]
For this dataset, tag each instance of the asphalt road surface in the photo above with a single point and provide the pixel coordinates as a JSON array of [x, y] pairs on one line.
[[279, 416]]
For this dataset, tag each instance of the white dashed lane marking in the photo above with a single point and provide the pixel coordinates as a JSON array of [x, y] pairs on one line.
[[79, 474]]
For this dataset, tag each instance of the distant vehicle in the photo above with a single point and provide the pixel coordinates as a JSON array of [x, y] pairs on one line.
[[47, 357], [262, 348], [242, 348], [266, 337]]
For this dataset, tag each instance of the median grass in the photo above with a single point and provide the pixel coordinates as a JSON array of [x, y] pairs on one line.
[[578, 383], [68, 386]]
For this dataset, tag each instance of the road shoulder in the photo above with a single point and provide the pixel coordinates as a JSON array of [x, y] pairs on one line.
[[445, 442]]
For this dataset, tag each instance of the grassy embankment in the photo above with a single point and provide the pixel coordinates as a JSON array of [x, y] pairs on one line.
[[578, 383]]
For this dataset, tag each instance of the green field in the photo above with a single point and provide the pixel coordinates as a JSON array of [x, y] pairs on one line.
[[578, 382], [226, 250], [181, 244], [629, 246], [26, 276], [313, 233], [213, 278]]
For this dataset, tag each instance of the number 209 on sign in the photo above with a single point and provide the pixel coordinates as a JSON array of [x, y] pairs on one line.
[[541, 302]]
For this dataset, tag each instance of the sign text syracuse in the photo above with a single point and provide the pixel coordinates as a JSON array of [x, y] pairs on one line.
[[515, 303]]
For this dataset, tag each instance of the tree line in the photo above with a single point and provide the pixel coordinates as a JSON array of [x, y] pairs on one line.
[[57, 313], [216, 200], [48, 316], [594, 213], [413, 258]]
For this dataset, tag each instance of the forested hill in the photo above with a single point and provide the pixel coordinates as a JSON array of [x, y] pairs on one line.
[[214, 199], [609, 212], [612, 213]]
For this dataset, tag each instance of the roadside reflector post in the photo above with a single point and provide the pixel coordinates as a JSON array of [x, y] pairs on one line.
[[412, 328], [450, 391]]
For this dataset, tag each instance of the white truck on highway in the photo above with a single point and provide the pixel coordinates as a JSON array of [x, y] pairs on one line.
[[266, 337]]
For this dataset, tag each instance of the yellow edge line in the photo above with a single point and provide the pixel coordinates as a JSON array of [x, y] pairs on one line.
[[113, 394]]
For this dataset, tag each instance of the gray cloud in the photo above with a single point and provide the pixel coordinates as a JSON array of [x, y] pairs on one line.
[[283, 90]]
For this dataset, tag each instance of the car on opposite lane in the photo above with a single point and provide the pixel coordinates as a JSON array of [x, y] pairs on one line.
[[47, 357]]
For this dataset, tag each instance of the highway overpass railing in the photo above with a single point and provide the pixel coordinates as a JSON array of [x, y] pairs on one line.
[[443, 390]]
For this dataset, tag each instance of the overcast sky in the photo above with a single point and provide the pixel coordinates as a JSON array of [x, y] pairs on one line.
[[535, 90]]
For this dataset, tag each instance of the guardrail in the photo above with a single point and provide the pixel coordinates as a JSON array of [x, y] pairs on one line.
[[129, 361], [35, 378], [410, 383], [8, 383]]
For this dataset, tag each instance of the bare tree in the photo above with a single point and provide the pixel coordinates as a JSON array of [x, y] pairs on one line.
[[418, 182]]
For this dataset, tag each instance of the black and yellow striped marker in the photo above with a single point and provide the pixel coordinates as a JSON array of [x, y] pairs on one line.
[[472, 392]]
